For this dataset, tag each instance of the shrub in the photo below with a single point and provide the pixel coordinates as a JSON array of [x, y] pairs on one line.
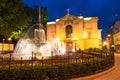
[[55, 71]]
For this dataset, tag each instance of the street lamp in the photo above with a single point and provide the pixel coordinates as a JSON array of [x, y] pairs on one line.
[[108, 41], [3, 45], [111, 42], [108, 35], [9, 39], [104, 45]]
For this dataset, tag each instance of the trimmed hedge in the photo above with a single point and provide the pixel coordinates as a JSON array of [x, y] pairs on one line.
[[57, 71]]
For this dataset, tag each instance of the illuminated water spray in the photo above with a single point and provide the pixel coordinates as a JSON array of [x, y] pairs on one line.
[[34, 44]]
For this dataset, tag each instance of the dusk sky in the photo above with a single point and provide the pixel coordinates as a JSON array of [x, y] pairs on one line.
[[105, 10]]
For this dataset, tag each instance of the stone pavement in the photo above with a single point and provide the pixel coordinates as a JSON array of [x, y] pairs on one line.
[[111, 74]]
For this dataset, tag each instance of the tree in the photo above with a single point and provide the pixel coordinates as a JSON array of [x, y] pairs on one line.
[[14, 17]]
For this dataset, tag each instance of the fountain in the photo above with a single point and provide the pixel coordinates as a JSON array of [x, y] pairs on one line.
[[34, 44]]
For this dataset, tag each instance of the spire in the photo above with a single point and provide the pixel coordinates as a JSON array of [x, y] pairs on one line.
[[68, 11], [116, 15], [39, 18]]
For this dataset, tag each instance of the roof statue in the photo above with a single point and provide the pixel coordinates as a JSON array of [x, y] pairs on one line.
[[116, 16], [68, 10]]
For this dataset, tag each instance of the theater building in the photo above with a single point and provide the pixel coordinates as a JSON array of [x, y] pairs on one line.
[[75, 32]]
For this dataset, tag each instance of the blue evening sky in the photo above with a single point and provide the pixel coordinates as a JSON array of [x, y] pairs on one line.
[[105, 10]]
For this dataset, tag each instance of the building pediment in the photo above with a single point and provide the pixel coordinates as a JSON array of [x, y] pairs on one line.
[[68, 17]]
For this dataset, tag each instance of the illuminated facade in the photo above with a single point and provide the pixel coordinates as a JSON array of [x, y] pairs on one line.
[[116, 35], [114, 32], [117, 41], [75, 32]]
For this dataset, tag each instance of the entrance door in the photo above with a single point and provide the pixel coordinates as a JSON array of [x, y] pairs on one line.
[[69, 46]]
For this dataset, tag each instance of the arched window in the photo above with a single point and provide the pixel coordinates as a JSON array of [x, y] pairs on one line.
[[69, 31]]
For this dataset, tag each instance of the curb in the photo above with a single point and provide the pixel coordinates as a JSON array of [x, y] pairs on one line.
[[94, 76]]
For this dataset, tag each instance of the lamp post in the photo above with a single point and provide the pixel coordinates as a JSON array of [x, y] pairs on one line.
[[104, 45], [3, 45], [108, 40], [111, 43], [9, 39], [108, 35]]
